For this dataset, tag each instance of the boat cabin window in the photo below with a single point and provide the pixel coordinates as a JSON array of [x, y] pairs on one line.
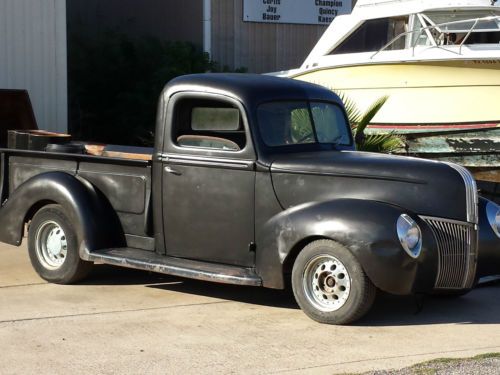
[[373, 35], [450, 28]]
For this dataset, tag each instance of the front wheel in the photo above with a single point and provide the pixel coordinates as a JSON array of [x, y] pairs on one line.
[[329, 284], [53, 247]]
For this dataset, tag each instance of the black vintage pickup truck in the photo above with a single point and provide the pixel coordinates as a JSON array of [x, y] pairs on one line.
[[255, 180]]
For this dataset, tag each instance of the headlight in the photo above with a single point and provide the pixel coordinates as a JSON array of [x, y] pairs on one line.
[[409, 235], [493, 213]]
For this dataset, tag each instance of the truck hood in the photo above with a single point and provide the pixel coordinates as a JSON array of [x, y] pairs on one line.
[[422, 186]]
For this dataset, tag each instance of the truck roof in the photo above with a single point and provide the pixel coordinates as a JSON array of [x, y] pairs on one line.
[[251, 89]]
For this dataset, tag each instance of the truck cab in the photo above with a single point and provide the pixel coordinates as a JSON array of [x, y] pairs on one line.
[[212, 153]]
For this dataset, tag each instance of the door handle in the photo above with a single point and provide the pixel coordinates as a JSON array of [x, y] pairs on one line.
[[172, 171]]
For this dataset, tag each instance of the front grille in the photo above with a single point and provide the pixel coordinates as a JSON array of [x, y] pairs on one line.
[[471, 194], [457, 249]]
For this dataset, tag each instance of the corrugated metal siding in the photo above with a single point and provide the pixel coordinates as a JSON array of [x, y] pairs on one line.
[[260, 47], [33, 56]]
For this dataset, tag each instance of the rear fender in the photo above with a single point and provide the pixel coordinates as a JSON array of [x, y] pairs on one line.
[[366, 228], [96, 223]]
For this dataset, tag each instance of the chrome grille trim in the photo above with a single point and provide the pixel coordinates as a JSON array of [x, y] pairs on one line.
[[471, 193], [457, 252]]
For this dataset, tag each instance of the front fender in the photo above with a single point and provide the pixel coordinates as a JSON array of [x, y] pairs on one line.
[[366, 228], [96, 223], [488, 263]]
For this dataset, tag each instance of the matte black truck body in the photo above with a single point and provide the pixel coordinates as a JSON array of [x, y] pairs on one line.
[[237, 208]]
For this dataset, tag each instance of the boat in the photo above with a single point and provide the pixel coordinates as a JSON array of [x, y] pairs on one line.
[[437, 61]]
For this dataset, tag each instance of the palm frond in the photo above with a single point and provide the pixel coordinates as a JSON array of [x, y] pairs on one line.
[[387, 143], [352, 110], [368, 116]]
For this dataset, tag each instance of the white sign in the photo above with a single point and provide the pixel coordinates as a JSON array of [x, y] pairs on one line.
[[310, 12]]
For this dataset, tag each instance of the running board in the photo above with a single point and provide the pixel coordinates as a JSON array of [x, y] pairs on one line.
[[148, 261]]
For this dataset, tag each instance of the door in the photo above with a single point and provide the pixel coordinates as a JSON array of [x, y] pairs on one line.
[[208, 183]]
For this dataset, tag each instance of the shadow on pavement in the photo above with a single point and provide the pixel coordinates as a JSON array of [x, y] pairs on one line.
[[480, 306], [108, 275], [237, 293]]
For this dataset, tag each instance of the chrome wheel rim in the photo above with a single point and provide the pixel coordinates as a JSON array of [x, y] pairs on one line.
[[51, 245], [326, 283]]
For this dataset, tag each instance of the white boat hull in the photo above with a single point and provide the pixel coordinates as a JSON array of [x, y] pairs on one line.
[[437, 92]]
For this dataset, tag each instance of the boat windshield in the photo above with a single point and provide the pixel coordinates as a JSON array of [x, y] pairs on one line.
[[465, 21], [437, 28], [302, 122], [460, 27]]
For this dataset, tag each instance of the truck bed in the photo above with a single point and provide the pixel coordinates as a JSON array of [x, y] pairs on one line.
[[125, 182]]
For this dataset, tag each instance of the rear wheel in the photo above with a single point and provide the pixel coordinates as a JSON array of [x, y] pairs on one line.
[[53, 247], [329, 284]]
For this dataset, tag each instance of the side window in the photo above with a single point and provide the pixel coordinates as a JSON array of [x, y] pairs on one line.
[[372, 35], [208, 124]]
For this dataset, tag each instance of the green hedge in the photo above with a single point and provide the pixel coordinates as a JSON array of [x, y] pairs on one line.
[[114, 82]]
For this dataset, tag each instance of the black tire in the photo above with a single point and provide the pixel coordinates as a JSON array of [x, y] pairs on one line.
[[53, 247], [340, 292], [451, 294]]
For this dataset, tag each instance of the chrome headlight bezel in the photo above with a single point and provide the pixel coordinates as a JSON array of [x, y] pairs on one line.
[[410, 235], [493, 214]]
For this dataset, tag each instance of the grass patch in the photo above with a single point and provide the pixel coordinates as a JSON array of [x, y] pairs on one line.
[[433, 366], [448, 361], [487, 356]]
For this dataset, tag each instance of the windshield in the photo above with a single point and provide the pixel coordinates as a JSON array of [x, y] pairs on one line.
[[434, 28], [463, 21], [468, 27], [301, 122]]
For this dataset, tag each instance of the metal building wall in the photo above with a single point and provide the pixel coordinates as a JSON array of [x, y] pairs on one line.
[[260, 47], [33, 56], [164, 19]]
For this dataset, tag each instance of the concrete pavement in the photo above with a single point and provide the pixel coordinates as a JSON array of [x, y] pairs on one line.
[[129, 322]]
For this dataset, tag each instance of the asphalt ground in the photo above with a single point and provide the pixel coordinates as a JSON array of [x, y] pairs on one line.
[[130, 322]]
